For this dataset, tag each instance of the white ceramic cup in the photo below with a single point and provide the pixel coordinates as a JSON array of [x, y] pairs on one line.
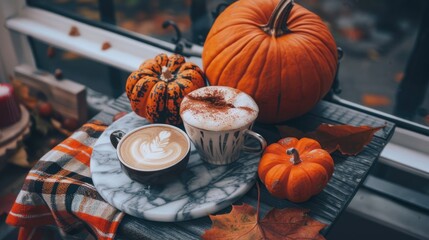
[[218, 128]]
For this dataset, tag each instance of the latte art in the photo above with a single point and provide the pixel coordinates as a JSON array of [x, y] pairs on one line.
[[153, 148], [156, 151]]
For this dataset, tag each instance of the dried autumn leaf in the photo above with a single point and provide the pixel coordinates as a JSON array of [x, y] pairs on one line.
[[353, 34], [74, 31], [88, 13], [291, 223], [70, 55], [129, 24], [349, 140], [238, 223], [374, 100], [105, 46], [50, 52], [243, 223]]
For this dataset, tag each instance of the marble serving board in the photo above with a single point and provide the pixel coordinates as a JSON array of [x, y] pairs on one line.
[[200, 190]]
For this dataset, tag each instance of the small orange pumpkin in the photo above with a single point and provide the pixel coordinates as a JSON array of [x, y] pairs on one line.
[[295, 169], [276, 51], [158, 87]]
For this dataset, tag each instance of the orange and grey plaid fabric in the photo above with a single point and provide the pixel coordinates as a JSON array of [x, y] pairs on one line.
[[59, 191]]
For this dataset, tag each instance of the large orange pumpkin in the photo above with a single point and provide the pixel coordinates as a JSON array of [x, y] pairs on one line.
[[283, 56], [295, 169], [158, 87]]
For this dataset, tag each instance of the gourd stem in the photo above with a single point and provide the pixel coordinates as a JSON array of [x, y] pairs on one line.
[[166, 75], [277, 24], [295, 159]]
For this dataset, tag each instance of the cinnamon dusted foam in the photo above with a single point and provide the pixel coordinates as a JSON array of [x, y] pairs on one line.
[[218, 108]]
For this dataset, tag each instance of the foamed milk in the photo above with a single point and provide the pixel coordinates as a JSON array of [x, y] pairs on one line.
[[153, 148], [218, 108]]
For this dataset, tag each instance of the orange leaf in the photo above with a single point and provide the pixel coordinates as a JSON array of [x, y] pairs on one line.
[[374, 100], [353, 34], [74, 31], [291, 223], [243, 223], [70, 55], [349, 140], [106, 45], [50, 52]]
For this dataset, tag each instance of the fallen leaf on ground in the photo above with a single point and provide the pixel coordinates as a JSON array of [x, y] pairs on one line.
[[50, 52], [374, 100], [128, 24], [353, 34], [105, 46], [74, 31], [88, 12], [349, 140], [243, 223], [70, 55]]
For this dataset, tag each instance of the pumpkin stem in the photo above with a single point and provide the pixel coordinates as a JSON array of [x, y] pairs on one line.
[[295, 159], [277, 24], [166, 75]]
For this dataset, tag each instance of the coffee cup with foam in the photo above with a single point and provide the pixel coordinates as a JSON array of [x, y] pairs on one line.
[[152, 154], [217, 119]]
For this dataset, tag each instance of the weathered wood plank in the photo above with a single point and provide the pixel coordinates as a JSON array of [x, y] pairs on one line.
[[65, 96]]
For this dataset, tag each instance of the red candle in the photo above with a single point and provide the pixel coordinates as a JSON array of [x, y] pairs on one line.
[[10, 112]]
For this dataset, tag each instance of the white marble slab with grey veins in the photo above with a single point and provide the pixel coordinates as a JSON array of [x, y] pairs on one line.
[[200, 190]]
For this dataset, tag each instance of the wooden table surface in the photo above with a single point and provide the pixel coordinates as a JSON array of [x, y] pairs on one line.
[[350, 172]]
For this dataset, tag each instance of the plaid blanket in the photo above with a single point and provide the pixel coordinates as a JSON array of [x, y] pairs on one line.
[[59, 191]]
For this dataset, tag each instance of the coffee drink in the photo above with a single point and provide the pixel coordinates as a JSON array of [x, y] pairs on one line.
[[153, 148], [218, 108], [217, 119]]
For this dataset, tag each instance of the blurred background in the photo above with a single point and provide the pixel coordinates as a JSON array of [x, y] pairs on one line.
[[377, 38]]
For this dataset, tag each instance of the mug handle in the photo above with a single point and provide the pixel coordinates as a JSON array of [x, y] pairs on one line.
[[261, 140], [115, 137]]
